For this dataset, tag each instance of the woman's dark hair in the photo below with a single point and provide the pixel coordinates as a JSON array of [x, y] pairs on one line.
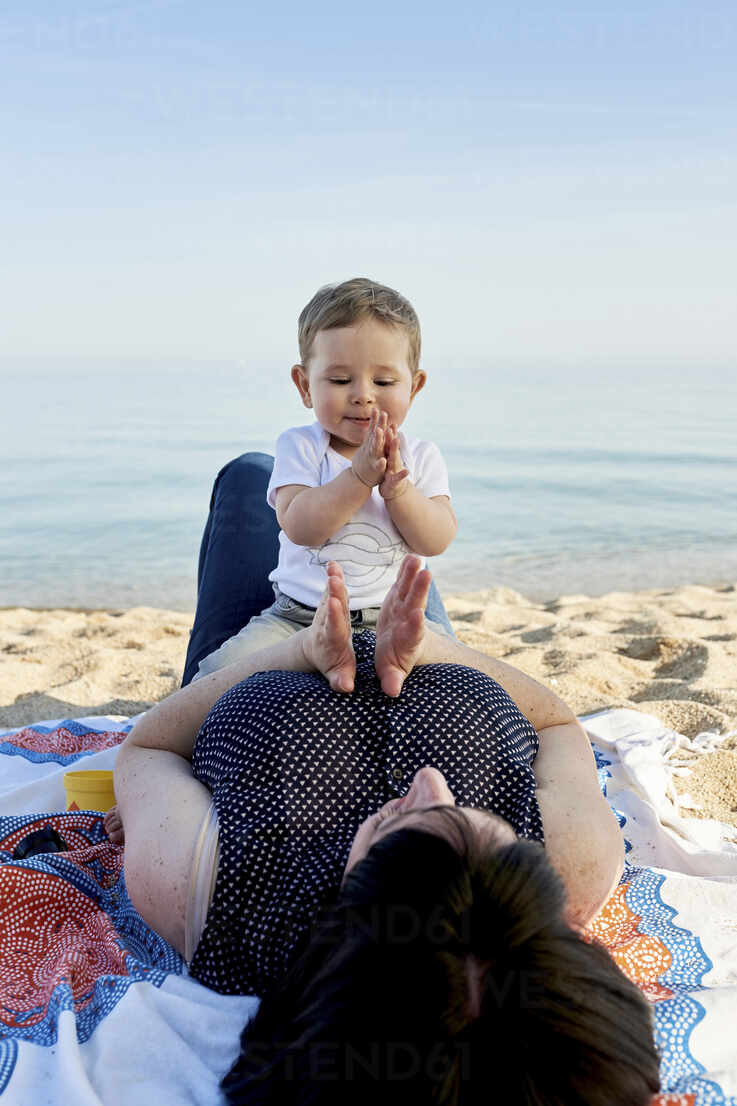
[[377, 1001]]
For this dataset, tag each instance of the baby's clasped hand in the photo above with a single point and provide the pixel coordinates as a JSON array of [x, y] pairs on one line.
[[369, 461], [378, 460], [395, 482]]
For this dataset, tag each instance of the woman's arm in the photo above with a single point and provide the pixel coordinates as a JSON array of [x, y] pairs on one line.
[[582, 836], [173, 724], [161, 804], [162, 807]]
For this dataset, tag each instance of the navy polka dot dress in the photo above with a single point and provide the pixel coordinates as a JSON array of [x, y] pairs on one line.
[[294, 768]]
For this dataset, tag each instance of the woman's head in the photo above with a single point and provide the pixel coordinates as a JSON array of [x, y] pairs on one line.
[[422, 808], [445, 973]]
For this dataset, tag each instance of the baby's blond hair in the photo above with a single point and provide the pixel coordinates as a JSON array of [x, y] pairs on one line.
[[344, 304]]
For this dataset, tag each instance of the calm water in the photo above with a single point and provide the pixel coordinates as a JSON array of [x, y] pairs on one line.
[[562, 482]]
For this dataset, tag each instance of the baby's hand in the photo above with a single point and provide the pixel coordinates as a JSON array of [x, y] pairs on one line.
[[369, 461], [395, 482]]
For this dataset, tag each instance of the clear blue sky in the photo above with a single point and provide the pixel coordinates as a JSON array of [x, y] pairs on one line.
[[550, 182]]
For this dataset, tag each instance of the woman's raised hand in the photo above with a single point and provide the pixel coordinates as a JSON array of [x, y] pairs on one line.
[[328, 643], [400, 629]]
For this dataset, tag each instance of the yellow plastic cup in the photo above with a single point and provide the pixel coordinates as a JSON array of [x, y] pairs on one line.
[[91, 790]]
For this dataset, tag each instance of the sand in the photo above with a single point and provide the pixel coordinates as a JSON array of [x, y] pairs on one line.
[[671, 653]]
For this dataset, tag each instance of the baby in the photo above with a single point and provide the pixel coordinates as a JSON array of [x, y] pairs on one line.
[[350, 487]]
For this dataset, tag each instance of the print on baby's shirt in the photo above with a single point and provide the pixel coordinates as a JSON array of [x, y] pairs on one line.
[[366, 553]]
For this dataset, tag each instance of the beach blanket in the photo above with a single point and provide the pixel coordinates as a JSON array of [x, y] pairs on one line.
[[97, 1010]]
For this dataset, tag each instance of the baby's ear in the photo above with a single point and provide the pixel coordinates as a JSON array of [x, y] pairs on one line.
[[302, 380], [418, 383]]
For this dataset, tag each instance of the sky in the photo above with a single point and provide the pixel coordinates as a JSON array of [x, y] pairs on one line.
[[548, 183]]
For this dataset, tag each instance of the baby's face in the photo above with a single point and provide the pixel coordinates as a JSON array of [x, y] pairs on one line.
[[353, 370]]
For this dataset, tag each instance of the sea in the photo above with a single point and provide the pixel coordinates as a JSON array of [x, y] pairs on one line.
[[564, 480]]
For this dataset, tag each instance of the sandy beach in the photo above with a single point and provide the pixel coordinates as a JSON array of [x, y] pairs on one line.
[[671, 653]]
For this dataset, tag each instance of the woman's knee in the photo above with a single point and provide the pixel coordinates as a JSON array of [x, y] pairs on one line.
[[239, 499], [249, 471]]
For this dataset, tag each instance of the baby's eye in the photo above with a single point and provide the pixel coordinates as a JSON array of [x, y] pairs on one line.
[[385, 383], [338, 380]]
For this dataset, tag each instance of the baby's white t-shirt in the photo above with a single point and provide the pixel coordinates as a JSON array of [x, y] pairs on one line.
[[369, 548]]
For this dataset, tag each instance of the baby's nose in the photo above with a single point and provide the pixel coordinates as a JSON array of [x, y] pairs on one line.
[[362, 392]]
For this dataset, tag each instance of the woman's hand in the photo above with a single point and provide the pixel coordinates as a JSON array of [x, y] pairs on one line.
[[369, 461], [400, 627], [328, 642]]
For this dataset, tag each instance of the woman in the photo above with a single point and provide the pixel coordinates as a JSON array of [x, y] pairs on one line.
[[423, 944]]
